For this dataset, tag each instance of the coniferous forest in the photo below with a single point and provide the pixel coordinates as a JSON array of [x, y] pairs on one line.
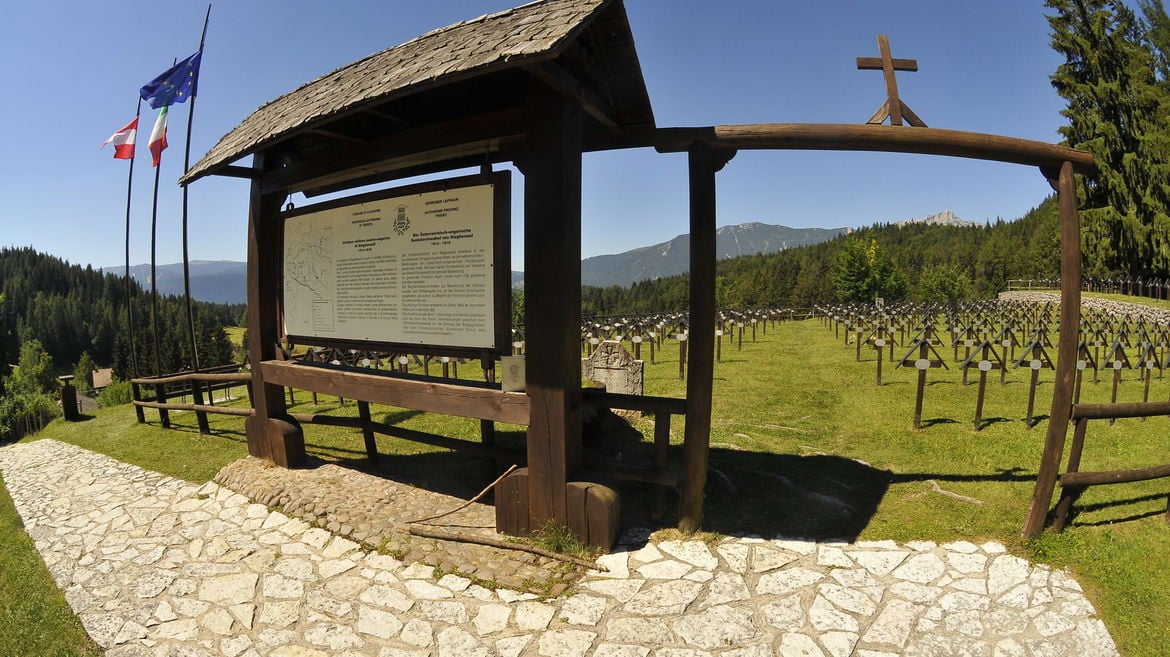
[[979, 260], [72, 310]]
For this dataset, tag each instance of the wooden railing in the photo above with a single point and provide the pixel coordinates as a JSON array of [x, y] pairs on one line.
[[480, 400]]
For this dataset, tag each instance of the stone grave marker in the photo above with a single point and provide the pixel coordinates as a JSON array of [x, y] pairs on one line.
[[614, 367]]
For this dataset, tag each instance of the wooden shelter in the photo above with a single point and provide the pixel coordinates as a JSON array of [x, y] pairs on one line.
[[536, 86]]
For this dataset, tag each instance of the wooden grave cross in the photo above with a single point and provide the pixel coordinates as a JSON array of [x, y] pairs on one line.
[[1009, 341], [881, 337], [1035, 356], [1148, 357], [1097, 340], [988, 359], [966, 338], [924, 346], [1161, 340], [1117, 359], [1123, 330], [894, 108], [1084, 360]]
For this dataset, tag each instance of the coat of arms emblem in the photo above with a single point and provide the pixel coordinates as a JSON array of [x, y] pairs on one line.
[[401, 221]]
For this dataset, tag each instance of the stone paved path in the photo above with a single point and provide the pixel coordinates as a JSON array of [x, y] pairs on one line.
[[156, 566]]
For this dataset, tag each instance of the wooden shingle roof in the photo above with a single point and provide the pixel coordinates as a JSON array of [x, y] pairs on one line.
[[526, 37]]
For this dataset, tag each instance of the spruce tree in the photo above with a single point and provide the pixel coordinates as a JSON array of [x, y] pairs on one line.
[[1117, 110]]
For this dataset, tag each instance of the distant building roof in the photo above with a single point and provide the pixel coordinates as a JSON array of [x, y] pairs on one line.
[[523, 36]]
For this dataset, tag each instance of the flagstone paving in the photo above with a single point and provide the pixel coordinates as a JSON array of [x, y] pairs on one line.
[[156, 566]]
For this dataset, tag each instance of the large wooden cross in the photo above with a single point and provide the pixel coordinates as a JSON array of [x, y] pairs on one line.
[[893, 108]]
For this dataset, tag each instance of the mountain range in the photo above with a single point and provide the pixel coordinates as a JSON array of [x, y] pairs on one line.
[[224, 281], [215, 281], [673, 257]]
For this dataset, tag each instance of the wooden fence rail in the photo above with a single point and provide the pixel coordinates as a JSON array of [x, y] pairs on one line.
[[480, 400]]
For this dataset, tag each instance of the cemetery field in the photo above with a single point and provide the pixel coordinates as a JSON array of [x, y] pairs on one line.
[[803, 443]]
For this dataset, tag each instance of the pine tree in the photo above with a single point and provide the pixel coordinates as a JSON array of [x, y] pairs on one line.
[[1117, 110], [864, 272]]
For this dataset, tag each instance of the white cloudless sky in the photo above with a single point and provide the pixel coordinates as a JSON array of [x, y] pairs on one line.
[[70, 73]]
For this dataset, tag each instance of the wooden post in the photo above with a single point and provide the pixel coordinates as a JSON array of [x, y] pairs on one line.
[[197, 397], [661, 460], [272, 434], [552, 308], [697, 435], [368, 431], [1070, 306], [922, 365], [136, 394]]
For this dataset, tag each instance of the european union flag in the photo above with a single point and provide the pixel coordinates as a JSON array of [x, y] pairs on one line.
[[175, 85]]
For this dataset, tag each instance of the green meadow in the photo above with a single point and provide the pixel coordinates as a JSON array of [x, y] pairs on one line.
[[804, 443]]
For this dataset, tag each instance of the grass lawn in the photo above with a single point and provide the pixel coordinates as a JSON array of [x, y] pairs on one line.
[[34, 617], [804, 443]]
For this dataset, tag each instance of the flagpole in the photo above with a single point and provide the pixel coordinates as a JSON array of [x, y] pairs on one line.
[[164, 416], [129, 286], [186, 260]]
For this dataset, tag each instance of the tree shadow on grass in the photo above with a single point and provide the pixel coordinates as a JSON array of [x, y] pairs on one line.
[[926, 424], [816, 497], [1098, 514]]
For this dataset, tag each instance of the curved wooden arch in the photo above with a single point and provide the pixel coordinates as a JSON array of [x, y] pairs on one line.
[[710, 148], [882, 138]]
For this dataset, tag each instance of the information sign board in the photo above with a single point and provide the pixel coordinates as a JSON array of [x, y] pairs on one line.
[[421, 265]]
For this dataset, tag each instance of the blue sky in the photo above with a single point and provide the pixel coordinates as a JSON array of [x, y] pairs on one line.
[[71, 70]]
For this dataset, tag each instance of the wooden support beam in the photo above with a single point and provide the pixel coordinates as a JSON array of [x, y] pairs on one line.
[[1071, 479], [438, 142], [272, 434], [1124, 409], [701, 335], [568, 85], [884, 138], [418, 393], [552, 303], [1066, 360]]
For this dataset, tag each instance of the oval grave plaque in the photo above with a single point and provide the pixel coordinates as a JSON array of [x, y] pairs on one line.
[[922, 363]]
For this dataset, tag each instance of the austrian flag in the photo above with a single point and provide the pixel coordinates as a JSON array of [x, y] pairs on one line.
[[158, 136], [123, 141]]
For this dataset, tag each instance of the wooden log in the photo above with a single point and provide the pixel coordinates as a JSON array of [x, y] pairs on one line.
[[1114, 476], [1125, 409], [1070, 305], [697, 433], [270, 436], [415, 392], [552, 318], [219, 410], [643, 403], [1068, 494], [892, 139]]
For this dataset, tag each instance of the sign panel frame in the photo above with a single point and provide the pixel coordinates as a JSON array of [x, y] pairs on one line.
[[439, 240]]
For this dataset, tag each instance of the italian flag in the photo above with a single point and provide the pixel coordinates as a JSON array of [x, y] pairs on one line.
[[158, 136], [123, 141]]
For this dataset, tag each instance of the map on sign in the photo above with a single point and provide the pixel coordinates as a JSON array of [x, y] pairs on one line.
[[309, 272], [414, 268]]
